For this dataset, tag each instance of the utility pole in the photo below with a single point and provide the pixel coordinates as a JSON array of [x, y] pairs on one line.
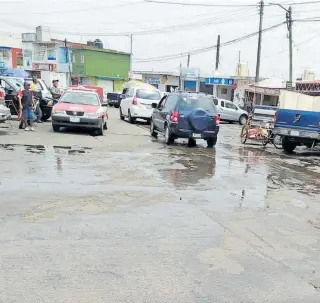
[[289, 24], [188, 64], [218, 53], [68, 60], [259, 41], [131, 48]]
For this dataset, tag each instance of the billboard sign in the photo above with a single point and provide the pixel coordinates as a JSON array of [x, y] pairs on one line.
[[190, 74]]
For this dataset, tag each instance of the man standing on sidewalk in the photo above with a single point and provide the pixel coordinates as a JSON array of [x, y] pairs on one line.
[[26, 104], [36, 91]]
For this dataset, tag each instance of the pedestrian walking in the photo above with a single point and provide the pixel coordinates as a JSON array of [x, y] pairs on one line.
[[26, 104], [35, 89]]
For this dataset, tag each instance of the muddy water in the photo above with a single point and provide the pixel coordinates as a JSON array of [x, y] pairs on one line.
[[158, 224]]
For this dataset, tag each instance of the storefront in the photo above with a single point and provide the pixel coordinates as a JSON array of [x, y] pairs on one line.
[[165, 82]]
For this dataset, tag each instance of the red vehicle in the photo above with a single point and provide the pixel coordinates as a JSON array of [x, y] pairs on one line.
[[98, 89], [80, 107]]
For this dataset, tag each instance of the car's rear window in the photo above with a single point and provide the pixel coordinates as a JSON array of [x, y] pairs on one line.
[[80, 98], [148, 94], [189, 103]]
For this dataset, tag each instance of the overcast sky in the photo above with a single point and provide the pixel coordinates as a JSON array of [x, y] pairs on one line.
[[73, 19]]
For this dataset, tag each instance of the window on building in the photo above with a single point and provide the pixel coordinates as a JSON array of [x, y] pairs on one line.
[[224, 91], [82, 58], [73, 58]]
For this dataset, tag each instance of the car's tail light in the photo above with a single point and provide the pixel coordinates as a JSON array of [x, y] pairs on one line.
[[218, 120], [174, 117], [134, 101]]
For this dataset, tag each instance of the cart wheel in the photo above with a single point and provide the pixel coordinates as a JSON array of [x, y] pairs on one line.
[[244, 134], [277, 141], [265, 141]]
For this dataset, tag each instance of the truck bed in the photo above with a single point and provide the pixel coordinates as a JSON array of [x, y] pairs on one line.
[[297, 123]]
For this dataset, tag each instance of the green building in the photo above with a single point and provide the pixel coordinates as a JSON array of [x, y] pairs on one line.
[[93, 66]]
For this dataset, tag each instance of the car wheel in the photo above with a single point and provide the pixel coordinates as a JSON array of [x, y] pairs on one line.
[[55, 128], [288, 146], [44, 118], [243, 119], [192, 143], [131, 120], [212, 142], [121, 115], [168, 138], [99, 131], [152, 130], [116, 106]]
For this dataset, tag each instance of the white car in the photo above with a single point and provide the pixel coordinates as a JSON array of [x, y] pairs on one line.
[[4, 111], [137, 103], [230, 112]]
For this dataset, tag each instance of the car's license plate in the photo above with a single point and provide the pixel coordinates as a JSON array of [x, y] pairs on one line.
[[196, 135], [294, 133], [75, 119]]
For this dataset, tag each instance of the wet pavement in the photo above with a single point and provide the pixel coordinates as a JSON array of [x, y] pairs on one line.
[[123, 218]]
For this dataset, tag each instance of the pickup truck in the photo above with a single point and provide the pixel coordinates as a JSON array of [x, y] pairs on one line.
[[298, 121], [114, 99]]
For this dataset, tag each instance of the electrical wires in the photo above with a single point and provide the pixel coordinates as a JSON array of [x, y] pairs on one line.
[[206, 49], [199, 4]]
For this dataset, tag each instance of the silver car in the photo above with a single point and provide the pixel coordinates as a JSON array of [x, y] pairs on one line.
[[230, 112]]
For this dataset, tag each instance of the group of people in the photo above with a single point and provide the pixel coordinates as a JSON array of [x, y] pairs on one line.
[[29, 105]]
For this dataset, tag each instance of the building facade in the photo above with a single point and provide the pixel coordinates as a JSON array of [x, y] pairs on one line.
[[10, 57], [46, 58], [95, 66], [164, 81]]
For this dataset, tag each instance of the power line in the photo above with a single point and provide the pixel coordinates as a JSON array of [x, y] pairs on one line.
[[199, 4], [202, 50], [194, 24], [80, 10]]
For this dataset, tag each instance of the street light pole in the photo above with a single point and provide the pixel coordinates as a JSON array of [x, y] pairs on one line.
[[289, 26]]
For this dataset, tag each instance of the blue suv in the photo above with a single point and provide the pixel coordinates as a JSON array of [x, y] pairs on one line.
[[186, 115]]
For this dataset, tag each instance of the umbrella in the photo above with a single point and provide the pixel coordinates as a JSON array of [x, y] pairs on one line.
[[15, 72]]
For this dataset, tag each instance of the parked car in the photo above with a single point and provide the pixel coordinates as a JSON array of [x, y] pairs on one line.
[[4, 111], [137, 103], [230, 112], [80, 108], [45, 97], [114, 99], [186, 115], [11, 86]]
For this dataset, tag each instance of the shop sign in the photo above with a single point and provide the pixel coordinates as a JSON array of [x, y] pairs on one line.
[[2, 65], [44, 67], [190, 74], [220, 81], [152, 80]]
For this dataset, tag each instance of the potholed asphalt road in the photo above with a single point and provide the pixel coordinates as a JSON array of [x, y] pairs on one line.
[[123, 218]]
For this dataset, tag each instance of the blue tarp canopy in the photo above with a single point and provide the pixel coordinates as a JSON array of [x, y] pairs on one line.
[[15, 72]]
